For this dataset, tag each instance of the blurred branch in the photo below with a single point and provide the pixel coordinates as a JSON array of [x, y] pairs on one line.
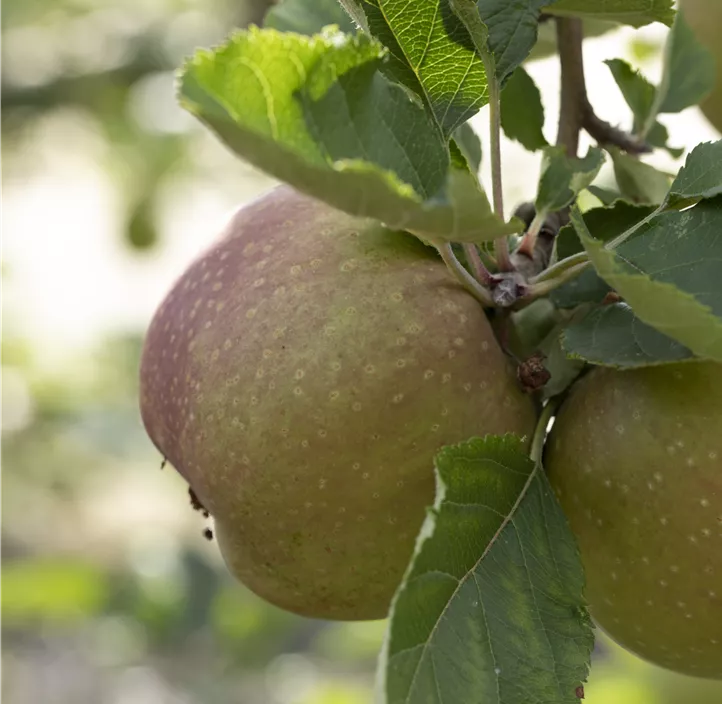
[[576, 112], [92, 89], [573, 86], [253, 11], [87, 89]]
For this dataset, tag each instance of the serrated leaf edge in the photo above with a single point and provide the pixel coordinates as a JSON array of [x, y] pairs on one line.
[[426, 532]]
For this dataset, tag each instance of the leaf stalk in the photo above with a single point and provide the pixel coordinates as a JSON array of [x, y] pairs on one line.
[[462, 275], [540, 432], [556, 270], [468, 12]]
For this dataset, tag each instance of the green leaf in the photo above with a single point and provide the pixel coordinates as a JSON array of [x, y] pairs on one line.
[[701, 175], [636, 13], [639, 182], [522, 112], [355, 12], [308, 16], [606, 195], [317, 113], [51, 590], [431, 53], [491, 607], [141, 231], [688, 75], [689, 69], [668, 272], [638, 92], [658, 137], [604, 224], [614, 336], [527, 328], [469, 144], [641, 97], [563, 369], [396, 67], [563, 177], [588, 287], [513, 29]]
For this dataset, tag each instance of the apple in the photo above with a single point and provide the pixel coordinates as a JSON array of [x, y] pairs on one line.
[[301, 375], [705, 19], [635, 458]]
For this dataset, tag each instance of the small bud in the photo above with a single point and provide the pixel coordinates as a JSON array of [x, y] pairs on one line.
[[611, 297], [534, 252], [532, 374], [525, 212]]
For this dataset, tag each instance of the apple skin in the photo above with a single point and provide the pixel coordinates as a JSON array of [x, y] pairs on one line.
[[301, 375], [635, 458], [705, 19]]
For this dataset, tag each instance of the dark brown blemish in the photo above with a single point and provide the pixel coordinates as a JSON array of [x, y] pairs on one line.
[[196, 504]]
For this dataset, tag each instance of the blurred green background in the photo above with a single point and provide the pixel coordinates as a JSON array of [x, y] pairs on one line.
[[110, 594]]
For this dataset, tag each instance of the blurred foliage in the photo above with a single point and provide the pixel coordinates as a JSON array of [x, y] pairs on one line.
[[109, 591], [111, 61], [51, 590], [103, 558], [110, 594]]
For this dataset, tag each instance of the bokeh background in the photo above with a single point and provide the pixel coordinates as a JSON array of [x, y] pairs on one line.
[[110, 593]]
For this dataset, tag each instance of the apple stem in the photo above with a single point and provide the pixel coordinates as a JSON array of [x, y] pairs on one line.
[[463, 276], [542, 426]]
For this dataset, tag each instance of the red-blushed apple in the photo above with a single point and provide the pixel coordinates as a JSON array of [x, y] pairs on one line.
[[301, 375]]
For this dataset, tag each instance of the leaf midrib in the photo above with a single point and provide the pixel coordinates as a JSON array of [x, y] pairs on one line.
[[461, 581]]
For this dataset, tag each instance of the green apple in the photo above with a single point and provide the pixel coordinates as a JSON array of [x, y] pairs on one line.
[[705, 18], [301, 375], [636, 460]]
